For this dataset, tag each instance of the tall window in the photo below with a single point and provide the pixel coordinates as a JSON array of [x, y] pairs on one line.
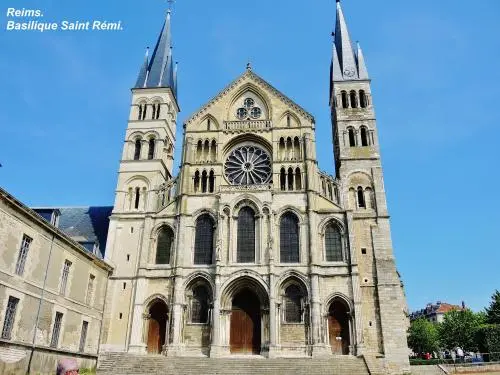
[[289, 238], [23, 254], [246, 236], [364, 136], [361, 198], [83, 336], [293, 304], [56, 330], [10, 316], [64, 278], [137, 150], [363, 102], [90, 290], [204, 240], [352, 137], [333, 243], [345, 100], [354, 101], [137, 198], [204, 182], [199, 305], [164, 245], [283, 179], [211, 182], [151, 150], [196, 181]]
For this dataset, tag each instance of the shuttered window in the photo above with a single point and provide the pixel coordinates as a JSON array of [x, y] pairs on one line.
[[289, 238], [246, 235], [333, 244], [204, 240]]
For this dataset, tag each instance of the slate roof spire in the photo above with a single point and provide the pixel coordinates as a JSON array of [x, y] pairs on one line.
[[159, 71], [349, 61]]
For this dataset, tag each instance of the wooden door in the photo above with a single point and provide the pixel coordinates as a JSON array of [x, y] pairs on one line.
[[245, 324], [154, 337], [335, 331]]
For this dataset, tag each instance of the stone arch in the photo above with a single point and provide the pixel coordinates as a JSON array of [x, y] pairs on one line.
[[290, 277], [255, 90], [214, 124], [339, 313], [138, 178], [288, 208], [291, 118], [246, 200], [249, 138], [152, 298], [156, 327], [197, 276], [203, 211], [327, 220], [241, 280], [340, 296]]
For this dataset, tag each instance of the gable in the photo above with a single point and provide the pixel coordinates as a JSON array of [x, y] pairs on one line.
[[225, 105]]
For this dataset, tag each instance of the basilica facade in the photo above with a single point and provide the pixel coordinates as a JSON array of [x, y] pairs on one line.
[[251, 249]]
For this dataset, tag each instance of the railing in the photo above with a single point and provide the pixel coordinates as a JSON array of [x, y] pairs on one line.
[[236, 126], [231, 188]]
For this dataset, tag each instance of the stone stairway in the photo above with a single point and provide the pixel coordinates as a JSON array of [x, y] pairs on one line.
[[129, 364]]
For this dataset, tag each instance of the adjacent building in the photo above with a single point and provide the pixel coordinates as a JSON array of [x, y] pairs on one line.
[[435, 312], [52, 291]]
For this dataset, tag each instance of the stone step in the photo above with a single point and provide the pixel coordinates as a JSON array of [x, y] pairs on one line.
[[129, 364]]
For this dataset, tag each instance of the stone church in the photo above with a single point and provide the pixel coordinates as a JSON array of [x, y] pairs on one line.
[[251, 249]]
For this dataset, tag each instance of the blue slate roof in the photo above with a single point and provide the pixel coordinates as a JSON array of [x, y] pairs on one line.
[[86, 225], [160, 70]]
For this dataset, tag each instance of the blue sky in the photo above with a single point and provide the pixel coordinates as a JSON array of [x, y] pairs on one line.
[[434, 66]]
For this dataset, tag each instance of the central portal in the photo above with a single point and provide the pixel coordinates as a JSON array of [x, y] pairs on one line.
[[245, 334]]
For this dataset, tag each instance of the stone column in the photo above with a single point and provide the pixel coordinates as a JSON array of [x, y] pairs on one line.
[[137, 344], [177, 317], [319, 348]]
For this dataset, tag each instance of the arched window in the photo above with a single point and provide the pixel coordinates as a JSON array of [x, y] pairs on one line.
[[290, 179], [142, 111], [345, 100], [246, 236], [164, 245], [206, 149], [330, 195], [137, 198], [298, 179], [364, 136], [213, 150], [283, 179], [199, 150], [333, 243], [204, 240], [156, 111], [289, 147], [296, 148], [288, 122], [362, 99], [196, 181], [204, 181], [289, 238], [282, 148], [200, 305], [137, 150], [361, 198], [293, 304], [208, 125], [211, 182], [151, 150], [354, 99], [352, 138]]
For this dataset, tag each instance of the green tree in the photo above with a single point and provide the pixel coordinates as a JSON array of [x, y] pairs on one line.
[[459, 328], [423, 336], [493, 311]]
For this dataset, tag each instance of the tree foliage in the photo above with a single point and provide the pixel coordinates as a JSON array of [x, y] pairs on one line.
[[459, 328], [493, 311], [423, 336]]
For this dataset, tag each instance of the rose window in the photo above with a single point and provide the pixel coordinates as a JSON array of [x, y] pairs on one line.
[[248, 165], [249, 110]]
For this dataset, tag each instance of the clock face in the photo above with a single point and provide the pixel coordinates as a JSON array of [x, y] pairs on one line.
[[349, 72]]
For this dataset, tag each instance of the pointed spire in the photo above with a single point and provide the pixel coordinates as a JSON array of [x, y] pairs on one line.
[[343, 44], [336, 71], [175, 78], [143, 73], [160, 55], [362, 70]]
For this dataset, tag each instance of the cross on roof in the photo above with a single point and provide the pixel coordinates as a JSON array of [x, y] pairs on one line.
[[170, 3]]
